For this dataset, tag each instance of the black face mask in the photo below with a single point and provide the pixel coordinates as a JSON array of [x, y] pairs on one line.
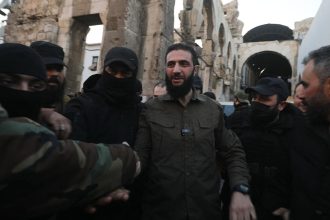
[[119, 90], [179, 91], [22, 103], [263, 115], [55, 91]]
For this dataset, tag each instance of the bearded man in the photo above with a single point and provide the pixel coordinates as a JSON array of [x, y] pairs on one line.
[[179, 136], [310, 153], [52, 56]]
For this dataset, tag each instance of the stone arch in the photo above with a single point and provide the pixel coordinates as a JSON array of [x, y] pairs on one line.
[[265, 64], [208, 19], [229, 54], [75, 53], [222, 38]]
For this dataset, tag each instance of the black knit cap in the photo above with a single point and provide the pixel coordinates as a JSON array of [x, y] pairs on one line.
[[124, 55], [20, 59], [49, 52]]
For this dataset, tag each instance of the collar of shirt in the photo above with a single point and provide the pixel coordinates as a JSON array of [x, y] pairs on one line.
[[195, 97]]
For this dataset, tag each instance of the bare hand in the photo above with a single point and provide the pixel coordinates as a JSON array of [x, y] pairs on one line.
[[119, 195], [283, 212], [57, 122], [241, 207]]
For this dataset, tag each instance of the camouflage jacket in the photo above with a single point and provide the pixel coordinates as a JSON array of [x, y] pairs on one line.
[[40, 175]]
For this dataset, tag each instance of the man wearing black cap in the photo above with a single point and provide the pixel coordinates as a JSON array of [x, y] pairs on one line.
[[264, 135], [108, 112], [23, 87], [52, 56]]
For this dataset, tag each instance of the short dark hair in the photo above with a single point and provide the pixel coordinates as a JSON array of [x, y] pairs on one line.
[[185, 47], [321, 58]]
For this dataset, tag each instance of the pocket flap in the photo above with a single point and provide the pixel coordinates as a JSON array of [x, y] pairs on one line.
[[164, 122]]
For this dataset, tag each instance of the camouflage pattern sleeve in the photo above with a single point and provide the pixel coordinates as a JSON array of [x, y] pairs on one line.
[[40, 175]]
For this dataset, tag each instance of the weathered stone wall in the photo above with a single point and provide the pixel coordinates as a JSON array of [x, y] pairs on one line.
[[146, 26], [33, 20], [206, 20]]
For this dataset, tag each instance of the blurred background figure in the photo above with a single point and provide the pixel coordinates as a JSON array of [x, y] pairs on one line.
[[299, 97], [210, 95], [91, 82], [241, 99], [160, 88], [198, 84]]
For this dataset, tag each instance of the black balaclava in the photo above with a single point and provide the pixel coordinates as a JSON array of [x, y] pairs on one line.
[[179, 91], [20, 59], [121, 91], [263, 115]]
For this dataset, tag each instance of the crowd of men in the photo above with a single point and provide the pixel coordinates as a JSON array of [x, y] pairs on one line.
[[106, 155]]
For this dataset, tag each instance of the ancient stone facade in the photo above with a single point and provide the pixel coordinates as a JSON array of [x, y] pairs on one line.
[[207, 21], [145, 26], [286, 49]]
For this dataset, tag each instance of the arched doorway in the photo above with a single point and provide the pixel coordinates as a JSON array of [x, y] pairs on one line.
[[265, 64]]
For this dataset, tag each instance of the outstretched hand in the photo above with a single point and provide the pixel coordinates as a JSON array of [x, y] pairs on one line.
[[120, 194]]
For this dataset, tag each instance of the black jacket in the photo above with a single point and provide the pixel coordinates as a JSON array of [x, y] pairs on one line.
[[267, 152], [97, 118], [310, 160]]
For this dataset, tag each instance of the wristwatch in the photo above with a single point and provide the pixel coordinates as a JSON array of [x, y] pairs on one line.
[[242, 188]]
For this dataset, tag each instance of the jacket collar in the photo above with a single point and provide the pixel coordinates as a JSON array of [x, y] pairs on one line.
[[195, 97]]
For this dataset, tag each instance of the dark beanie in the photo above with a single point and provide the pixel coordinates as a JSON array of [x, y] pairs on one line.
[[20, 59]]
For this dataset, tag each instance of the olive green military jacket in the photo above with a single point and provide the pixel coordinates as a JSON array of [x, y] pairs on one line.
[[40, 175], [177, 146]]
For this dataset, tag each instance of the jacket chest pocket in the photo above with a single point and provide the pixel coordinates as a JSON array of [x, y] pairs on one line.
[[204, 137], [164, 137]]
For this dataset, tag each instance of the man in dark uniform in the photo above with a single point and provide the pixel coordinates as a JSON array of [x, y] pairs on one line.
[[263, 132], [180, 134], [53, 57], [108, 113]]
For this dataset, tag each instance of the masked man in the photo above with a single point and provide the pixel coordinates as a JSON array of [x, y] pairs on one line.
[[264, 135], [108, 112]]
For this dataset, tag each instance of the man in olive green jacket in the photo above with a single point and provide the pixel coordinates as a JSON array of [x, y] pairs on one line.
[[40, 175], [179, 136]]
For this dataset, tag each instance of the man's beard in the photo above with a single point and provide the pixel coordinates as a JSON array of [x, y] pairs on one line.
[[318, 108], [179, 91], [55, 91]]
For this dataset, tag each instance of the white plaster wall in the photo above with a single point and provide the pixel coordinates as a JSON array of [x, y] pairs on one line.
[[90, 51], [318, 34]]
